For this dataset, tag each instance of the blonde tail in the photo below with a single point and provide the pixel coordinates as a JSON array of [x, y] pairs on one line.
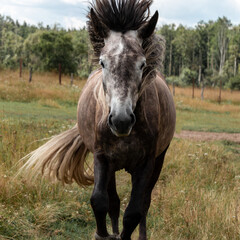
[[62, 157]]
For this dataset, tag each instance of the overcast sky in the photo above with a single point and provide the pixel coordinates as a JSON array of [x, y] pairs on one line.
[[71, 13]]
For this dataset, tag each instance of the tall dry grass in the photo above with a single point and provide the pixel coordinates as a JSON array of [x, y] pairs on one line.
[[196, 197], [44, 87], [210, 94]]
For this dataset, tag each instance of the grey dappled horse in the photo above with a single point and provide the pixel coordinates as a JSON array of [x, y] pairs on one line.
[[126, 117]]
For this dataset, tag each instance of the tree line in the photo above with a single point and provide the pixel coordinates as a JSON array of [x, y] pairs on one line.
[[208, 54], [44, 48]]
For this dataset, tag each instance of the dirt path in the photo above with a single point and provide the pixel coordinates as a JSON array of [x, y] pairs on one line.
[[208, 136]]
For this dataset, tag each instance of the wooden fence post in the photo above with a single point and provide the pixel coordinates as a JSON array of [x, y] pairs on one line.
[[202, 92], [220, 92], [30, 74], [193, 85], [71, 79], [60, 73], [20, 66], [173, 88]]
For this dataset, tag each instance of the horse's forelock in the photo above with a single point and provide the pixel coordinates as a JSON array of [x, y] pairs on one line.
[[122, 15], [117, 15]]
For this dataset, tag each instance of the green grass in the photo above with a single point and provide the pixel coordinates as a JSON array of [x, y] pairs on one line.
[[35, 111], [207, 119], [196, 197]]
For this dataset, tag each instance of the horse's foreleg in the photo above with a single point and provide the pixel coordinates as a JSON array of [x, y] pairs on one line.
[[156, 172], [135, 210], [114, 204], [99, 198]]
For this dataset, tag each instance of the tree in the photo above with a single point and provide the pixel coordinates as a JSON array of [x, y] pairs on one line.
[[168, 31], [11, 49], [222, 41], [81, 46], [202, 48], [234, 50], [48, 49]]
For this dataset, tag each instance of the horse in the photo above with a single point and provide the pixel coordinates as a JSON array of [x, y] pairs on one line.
[[125, 117]]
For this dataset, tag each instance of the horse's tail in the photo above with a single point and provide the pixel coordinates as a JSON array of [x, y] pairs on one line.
[[63, 157]]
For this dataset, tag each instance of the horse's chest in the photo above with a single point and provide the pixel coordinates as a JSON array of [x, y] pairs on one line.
[[125, 153]]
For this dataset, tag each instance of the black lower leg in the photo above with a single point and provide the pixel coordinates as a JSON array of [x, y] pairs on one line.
[[100, 199], [114, 205], [157, 169], [99, 203]]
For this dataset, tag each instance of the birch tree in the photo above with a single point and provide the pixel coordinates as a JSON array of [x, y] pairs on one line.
[[222, 41]]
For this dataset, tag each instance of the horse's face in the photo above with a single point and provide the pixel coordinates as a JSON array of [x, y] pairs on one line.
[[122, 60]]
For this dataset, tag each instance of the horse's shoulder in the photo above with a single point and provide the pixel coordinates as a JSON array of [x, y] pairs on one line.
[[160, 80]]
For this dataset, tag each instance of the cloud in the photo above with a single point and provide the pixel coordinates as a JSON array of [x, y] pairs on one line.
[[236, 3], [72, 13], [75, 2], [49, 13], [27, 2], [190, 12], [74, 22], [9, 10]]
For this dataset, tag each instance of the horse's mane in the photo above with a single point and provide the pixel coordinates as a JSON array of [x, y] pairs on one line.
[[123, 16]]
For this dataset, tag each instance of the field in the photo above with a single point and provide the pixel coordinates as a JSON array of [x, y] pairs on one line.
[[196, 197]]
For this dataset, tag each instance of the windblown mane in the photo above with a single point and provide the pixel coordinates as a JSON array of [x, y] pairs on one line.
[[123, 16]]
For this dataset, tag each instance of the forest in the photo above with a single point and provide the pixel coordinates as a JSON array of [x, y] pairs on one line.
[[207, 54]]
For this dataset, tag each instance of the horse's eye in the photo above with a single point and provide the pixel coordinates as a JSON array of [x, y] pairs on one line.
[[102, 64], [143, 65]]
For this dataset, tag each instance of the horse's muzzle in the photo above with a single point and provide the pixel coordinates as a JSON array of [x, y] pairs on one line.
[[121, 124]]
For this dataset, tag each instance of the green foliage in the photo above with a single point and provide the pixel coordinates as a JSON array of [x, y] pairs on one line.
[[234, 82], [174, 80], [210, 47], [216, 80], [43, 48], [56, 48], [81, 45], [188, 76], [11, 50], [213, 47]]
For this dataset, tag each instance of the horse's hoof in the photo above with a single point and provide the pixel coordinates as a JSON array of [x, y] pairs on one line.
[[110, 237]]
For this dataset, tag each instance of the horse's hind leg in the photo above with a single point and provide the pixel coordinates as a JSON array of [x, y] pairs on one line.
[[158, 167], [114, 204]]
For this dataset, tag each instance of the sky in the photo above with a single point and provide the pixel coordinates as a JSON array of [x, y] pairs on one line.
[[72, 13]]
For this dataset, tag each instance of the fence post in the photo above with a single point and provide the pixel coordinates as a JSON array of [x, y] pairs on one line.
[[71, 79], [20, 66], [173, 88], [220, 92], [202, 92], [30, 74], [60, 73], [193, 85]]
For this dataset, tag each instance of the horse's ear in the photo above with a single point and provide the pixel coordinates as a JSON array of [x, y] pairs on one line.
[[148, 29], [98, 26]]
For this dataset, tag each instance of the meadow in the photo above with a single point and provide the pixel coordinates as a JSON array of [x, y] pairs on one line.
[[197, 195]]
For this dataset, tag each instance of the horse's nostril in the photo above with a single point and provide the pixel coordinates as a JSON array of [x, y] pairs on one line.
[[133, 118], [110, 119]]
